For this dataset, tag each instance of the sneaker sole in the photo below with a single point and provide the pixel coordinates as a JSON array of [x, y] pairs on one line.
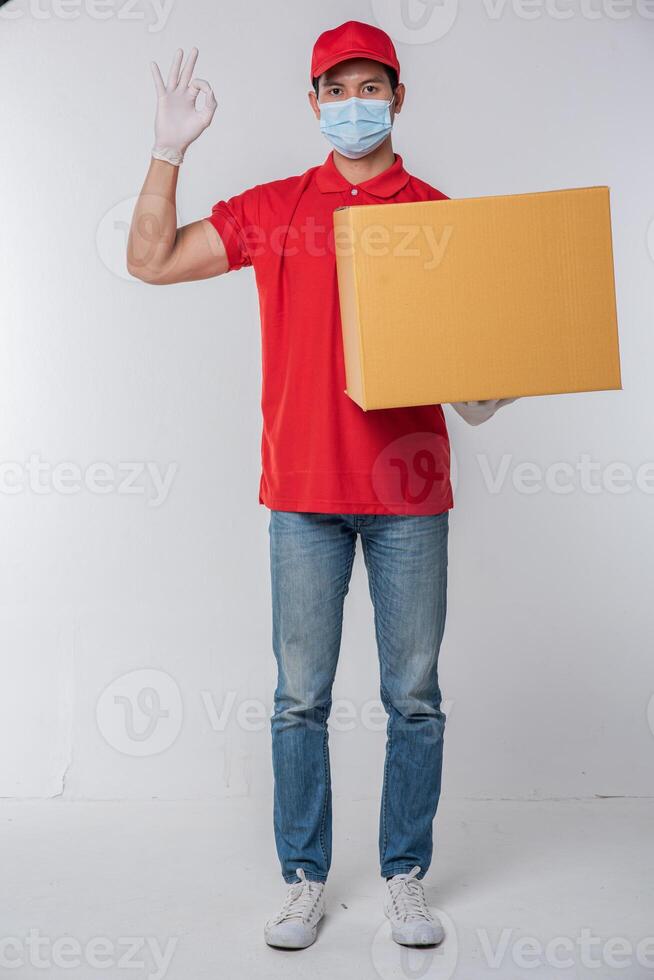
[[282, 945], [401, 941]]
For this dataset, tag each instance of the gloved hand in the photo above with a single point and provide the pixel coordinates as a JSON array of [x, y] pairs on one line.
[[475, 413], [178, 122]]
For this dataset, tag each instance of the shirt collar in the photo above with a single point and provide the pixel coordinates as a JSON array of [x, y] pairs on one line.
[[385, 184]]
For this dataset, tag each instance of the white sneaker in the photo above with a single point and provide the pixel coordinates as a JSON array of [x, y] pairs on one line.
[[412, 924], [296, 926]]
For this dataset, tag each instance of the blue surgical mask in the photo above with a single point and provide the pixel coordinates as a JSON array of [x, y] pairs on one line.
[[356, 127]]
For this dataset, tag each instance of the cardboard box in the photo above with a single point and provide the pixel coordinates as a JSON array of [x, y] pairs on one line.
[[486, 297]]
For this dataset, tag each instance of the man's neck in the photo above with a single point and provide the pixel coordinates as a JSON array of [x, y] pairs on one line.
[[375, 163]]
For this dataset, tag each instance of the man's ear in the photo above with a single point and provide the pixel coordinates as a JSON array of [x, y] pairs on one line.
[[400, 95], [313, 101]]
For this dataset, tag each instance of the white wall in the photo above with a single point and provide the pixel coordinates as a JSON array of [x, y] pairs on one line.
[[547, 658]]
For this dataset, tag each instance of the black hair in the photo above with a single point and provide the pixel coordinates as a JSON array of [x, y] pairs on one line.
[[392, 77]]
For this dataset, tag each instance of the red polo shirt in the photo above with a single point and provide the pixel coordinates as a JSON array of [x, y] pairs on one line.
[[320, 451]]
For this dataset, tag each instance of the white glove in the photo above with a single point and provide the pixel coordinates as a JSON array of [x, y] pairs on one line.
[[178, 121], [475, 413]]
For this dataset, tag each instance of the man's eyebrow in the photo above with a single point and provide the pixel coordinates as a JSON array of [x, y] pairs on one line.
[[337, 81]]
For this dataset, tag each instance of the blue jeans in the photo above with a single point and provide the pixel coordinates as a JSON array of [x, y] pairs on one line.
[[311, 563]]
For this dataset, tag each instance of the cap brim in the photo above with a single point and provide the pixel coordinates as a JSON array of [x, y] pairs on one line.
[[328, 63]]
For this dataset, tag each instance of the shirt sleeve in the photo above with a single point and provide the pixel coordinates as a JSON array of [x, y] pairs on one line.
[[237, 222]]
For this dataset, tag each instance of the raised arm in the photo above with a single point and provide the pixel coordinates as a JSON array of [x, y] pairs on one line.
[[159, 252]]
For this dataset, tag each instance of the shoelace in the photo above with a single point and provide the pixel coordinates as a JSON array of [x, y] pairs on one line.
[[408, 897], [301, 899]]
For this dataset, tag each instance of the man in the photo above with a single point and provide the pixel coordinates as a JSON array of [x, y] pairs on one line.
[[330, 471]]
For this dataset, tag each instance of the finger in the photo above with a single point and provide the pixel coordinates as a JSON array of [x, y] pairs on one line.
[[506, 401], [158, 80], [199, 85], [173, 74], [187, 71]]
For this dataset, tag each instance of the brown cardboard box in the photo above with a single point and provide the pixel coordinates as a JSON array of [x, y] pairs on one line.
[[486, 297]]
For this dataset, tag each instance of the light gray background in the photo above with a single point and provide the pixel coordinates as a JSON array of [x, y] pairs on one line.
[[547, 659]]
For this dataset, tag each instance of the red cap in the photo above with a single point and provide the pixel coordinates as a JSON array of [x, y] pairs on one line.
[[352, 40]]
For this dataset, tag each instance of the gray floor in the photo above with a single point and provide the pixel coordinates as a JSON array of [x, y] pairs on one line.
[[181, 890]]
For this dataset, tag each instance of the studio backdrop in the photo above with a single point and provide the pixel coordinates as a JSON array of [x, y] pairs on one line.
[[134, 585]]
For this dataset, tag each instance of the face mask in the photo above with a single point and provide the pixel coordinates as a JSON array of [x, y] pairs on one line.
[[356, 127]]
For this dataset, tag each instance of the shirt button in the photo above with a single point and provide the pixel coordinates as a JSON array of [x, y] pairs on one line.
[[354, 192]]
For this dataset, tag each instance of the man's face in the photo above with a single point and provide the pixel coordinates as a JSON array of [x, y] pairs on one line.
[[356, 78]]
